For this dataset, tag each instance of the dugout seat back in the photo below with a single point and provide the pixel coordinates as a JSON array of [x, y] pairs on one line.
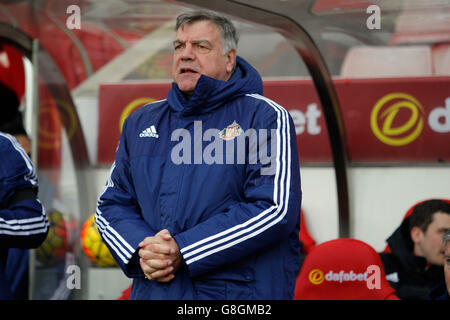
[[343, 269], [441, 59], [308, 242], [386, 62]]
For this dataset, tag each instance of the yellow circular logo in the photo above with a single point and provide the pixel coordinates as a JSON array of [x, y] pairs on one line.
[[316, 276], [386, 110], [131, 107]]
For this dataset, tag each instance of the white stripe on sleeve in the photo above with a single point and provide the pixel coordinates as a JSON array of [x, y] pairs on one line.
[[268, 217]]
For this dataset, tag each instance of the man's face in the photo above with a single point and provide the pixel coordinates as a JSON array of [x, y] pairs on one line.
[[198, 50], [447, 266], [429, 244]]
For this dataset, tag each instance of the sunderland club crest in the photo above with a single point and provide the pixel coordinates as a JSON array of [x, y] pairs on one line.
[[231, 131]]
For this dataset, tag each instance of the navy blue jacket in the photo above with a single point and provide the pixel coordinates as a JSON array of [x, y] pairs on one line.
[[23, 223], [197, 168], [440, 292]]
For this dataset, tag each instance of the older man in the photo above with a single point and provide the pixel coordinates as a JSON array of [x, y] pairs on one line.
[[203, 200]]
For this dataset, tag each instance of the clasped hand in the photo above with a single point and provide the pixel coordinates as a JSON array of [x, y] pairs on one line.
[[160, 257]]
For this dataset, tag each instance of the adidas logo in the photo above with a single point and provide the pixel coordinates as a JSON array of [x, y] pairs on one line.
[[149, 132], [392, 277]]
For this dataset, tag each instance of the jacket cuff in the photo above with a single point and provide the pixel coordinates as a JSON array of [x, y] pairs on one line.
[[181, 242]]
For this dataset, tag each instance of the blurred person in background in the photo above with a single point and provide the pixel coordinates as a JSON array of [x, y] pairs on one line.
[[442, 291], [414, 265], [23, 223]]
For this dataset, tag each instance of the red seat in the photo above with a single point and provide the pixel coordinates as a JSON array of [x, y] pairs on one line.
[[125, 294], [308, 242], [343, 269]]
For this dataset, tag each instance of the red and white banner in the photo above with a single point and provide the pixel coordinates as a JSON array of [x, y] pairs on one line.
[[386, 120]]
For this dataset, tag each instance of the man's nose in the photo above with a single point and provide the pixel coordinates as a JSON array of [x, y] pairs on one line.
[[188, 52]]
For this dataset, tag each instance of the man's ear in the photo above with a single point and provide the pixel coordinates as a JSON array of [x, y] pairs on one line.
[[231, 58], [416, 234]]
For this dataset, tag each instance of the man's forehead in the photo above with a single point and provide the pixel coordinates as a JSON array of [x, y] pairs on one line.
[[203, 27], [441, 216]]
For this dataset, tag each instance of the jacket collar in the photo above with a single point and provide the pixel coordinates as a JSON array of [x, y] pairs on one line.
[[403, 247], [209, 94]]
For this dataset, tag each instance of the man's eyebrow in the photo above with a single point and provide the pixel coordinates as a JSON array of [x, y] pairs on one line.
[[201, 41], [193, 41]]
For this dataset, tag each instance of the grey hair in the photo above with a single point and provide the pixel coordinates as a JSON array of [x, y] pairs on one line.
[[446, 237], [228, 32]]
